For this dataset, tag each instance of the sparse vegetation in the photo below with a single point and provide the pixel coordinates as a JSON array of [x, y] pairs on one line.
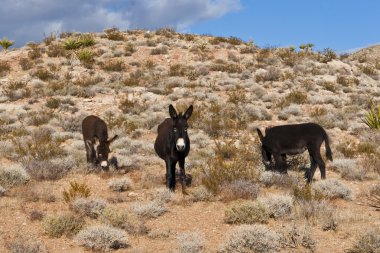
[[63, 224], [247, 212], [251, 238], [102, 238], [128, 78], [5, 43], [367, 243], [192, 242], [76, 190], [13, 175]]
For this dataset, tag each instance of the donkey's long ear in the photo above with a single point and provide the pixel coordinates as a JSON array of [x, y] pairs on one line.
[[112, 139], [260, 134], [172, 112], [188, 112]]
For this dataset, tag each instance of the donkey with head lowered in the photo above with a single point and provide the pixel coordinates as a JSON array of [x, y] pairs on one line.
[[173, 145], [280, 141], [95, 133]]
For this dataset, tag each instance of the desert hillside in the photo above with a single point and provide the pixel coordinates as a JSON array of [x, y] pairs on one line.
[[51, 200]]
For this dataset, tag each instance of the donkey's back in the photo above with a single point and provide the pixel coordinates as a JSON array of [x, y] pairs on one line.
[[162, 143], [293, 134], [93, 126]]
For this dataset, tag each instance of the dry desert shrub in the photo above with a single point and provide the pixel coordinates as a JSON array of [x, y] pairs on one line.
[[114, 34], [150, 209], [102, 238], [229, 163], [48, 169], [201, 193], [247, 212], [63, 224], [333, 189], [277, 205], [112, 65], [350, 170], [124, 219], [298, 236], [240, 189], [2, 191], [89, 207], [5, 68], [271, 178], [39, 145], [295, 97], [191, 242], [13, 175], [251, 238], [24, 244], [120, 184], [369, 242]]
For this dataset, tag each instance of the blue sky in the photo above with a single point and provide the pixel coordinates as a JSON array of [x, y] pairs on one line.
[[338, 24], [341, 25]]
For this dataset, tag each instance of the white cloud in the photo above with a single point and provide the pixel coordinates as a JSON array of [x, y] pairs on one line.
[[26, 20]]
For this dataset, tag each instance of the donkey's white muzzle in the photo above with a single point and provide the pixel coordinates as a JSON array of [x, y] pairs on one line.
[[180, 145], [104, 163]]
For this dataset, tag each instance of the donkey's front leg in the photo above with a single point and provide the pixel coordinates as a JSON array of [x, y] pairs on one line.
[[170, 174], [182, 175], [280, 164]]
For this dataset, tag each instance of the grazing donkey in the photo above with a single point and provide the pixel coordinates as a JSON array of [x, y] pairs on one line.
[[95, 132], [173, 145], [280, 141]]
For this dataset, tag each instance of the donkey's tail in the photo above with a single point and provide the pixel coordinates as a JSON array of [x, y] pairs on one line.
[[328, 149]]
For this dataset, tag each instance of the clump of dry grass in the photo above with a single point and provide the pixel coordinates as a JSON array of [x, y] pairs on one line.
[[120, 185], [332, 188], [25, 244], [201, 193], [76, 190], [47, 170], [240, 189], [230, 163], [150, 209], [13, 175], [251, 238], [192, 242], [39, 145], [102, 238], [295, 97], [247, 212], [89, 207], [367, 243], [124, 219], [63, 224], [277, 205]]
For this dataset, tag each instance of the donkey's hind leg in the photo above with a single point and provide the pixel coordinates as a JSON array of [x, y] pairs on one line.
[[90, 151], [309, 174], [321, 165]]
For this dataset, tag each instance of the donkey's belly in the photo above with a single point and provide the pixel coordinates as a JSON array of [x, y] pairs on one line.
[[294, 151]]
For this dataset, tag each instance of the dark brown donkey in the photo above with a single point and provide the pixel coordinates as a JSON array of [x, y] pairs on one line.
[[95, 132], [173, 145], [280, 141]]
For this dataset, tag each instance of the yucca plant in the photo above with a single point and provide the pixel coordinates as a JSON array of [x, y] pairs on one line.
[[5, 43], [86, 57], [372, 118], [87, 40], [71, 44]]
